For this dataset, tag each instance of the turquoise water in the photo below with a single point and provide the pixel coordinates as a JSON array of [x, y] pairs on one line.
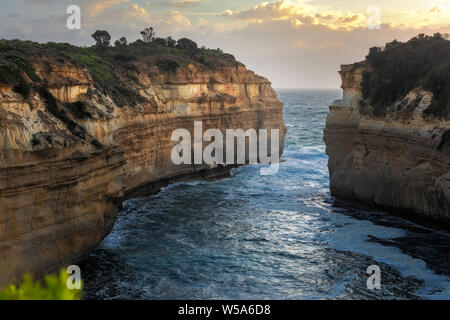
[[266, 237]]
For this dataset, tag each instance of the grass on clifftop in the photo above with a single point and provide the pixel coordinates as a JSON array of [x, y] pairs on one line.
[[422, 62], [112, 68]]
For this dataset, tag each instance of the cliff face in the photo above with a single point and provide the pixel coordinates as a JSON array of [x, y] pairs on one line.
[[69, 153], [399, 161]]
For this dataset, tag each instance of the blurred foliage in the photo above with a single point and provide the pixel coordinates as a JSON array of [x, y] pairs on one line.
[[422, 62], [52, 287]]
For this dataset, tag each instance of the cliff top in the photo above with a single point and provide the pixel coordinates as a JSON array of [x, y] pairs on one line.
[[54, 89], [394, 70], [113, 70]]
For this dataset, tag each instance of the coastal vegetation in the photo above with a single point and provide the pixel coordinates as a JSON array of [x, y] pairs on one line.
[[394, 70], [113, 68], [52, 287]]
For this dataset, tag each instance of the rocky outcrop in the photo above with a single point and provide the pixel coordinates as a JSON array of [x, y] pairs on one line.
[[399, 161], [69, 153]]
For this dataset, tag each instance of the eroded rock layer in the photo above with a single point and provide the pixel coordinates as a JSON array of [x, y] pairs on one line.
[[399, 161], [68, 152]]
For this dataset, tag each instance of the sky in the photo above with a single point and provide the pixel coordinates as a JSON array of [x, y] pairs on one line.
[[294, 43]]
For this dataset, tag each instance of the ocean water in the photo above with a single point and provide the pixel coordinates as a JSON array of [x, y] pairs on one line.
[[267, 237]]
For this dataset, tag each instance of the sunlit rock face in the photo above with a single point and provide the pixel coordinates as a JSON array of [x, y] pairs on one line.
[[62, 177], [399, 161]]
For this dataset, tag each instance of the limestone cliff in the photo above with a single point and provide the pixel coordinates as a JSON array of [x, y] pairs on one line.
[[69, 150], [399, 161]]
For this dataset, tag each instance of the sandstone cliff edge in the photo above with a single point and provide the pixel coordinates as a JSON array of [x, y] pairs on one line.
[[394, 156], [79, 130]]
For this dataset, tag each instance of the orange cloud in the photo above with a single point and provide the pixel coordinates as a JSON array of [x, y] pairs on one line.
[[298, 14], [97, 7]]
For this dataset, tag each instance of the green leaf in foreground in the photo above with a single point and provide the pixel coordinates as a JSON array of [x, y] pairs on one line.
[[52, 287]]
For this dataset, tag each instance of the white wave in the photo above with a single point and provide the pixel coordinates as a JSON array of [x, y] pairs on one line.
[[354, 236]]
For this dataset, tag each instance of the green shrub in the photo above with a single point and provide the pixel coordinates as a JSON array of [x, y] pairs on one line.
[[53, 108], [53, 287], [106, 78], [187, 45], [22, 87], [438, 82], [396, 69], [23, 65], [167, 65], [12, 70], [113, 69], [9, 73], [78, 109]]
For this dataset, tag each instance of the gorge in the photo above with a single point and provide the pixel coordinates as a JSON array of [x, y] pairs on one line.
[[87, 140]]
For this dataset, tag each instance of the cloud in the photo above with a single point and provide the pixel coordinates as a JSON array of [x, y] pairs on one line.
[[301, 12], [435, 10], [298, 14], [294, 44], [119, 17], [418, 18], [298, 46], [173, 23], [178, 4], [266, 11], [97, 7]]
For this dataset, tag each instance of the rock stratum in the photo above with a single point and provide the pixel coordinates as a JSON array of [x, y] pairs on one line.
[[71, 148], [398, 160]]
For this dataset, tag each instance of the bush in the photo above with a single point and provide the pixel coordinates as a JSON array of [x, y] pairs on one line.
[[160, 41], [53, 287], [9, 73], [24, 65], [167, 65], [106, 78], [122, 42], [124, 57], [170, 42], [12, 72], [22, 87], [422, 62], [53, 108], [78, 109], [102, 38], [438, 81], [187, 45], [113, 69]]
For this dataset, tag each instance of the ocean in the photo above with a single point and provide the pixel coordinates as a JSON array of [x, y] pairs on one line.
[[267, 237]]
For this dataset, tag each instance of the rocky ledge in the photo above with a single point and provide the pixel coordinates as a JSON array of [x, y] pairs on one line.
[[80, 129]]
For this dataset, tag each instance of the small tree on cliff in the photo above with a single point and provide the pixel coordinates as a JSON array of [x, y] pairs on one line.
[[170, 42], [122, 42], [187, 45], [102, 38], [148, 34], [160, 41]]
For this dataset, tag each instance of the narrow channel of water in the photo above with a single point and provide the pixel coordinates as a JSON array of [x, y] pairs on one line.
[[266, 237]]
